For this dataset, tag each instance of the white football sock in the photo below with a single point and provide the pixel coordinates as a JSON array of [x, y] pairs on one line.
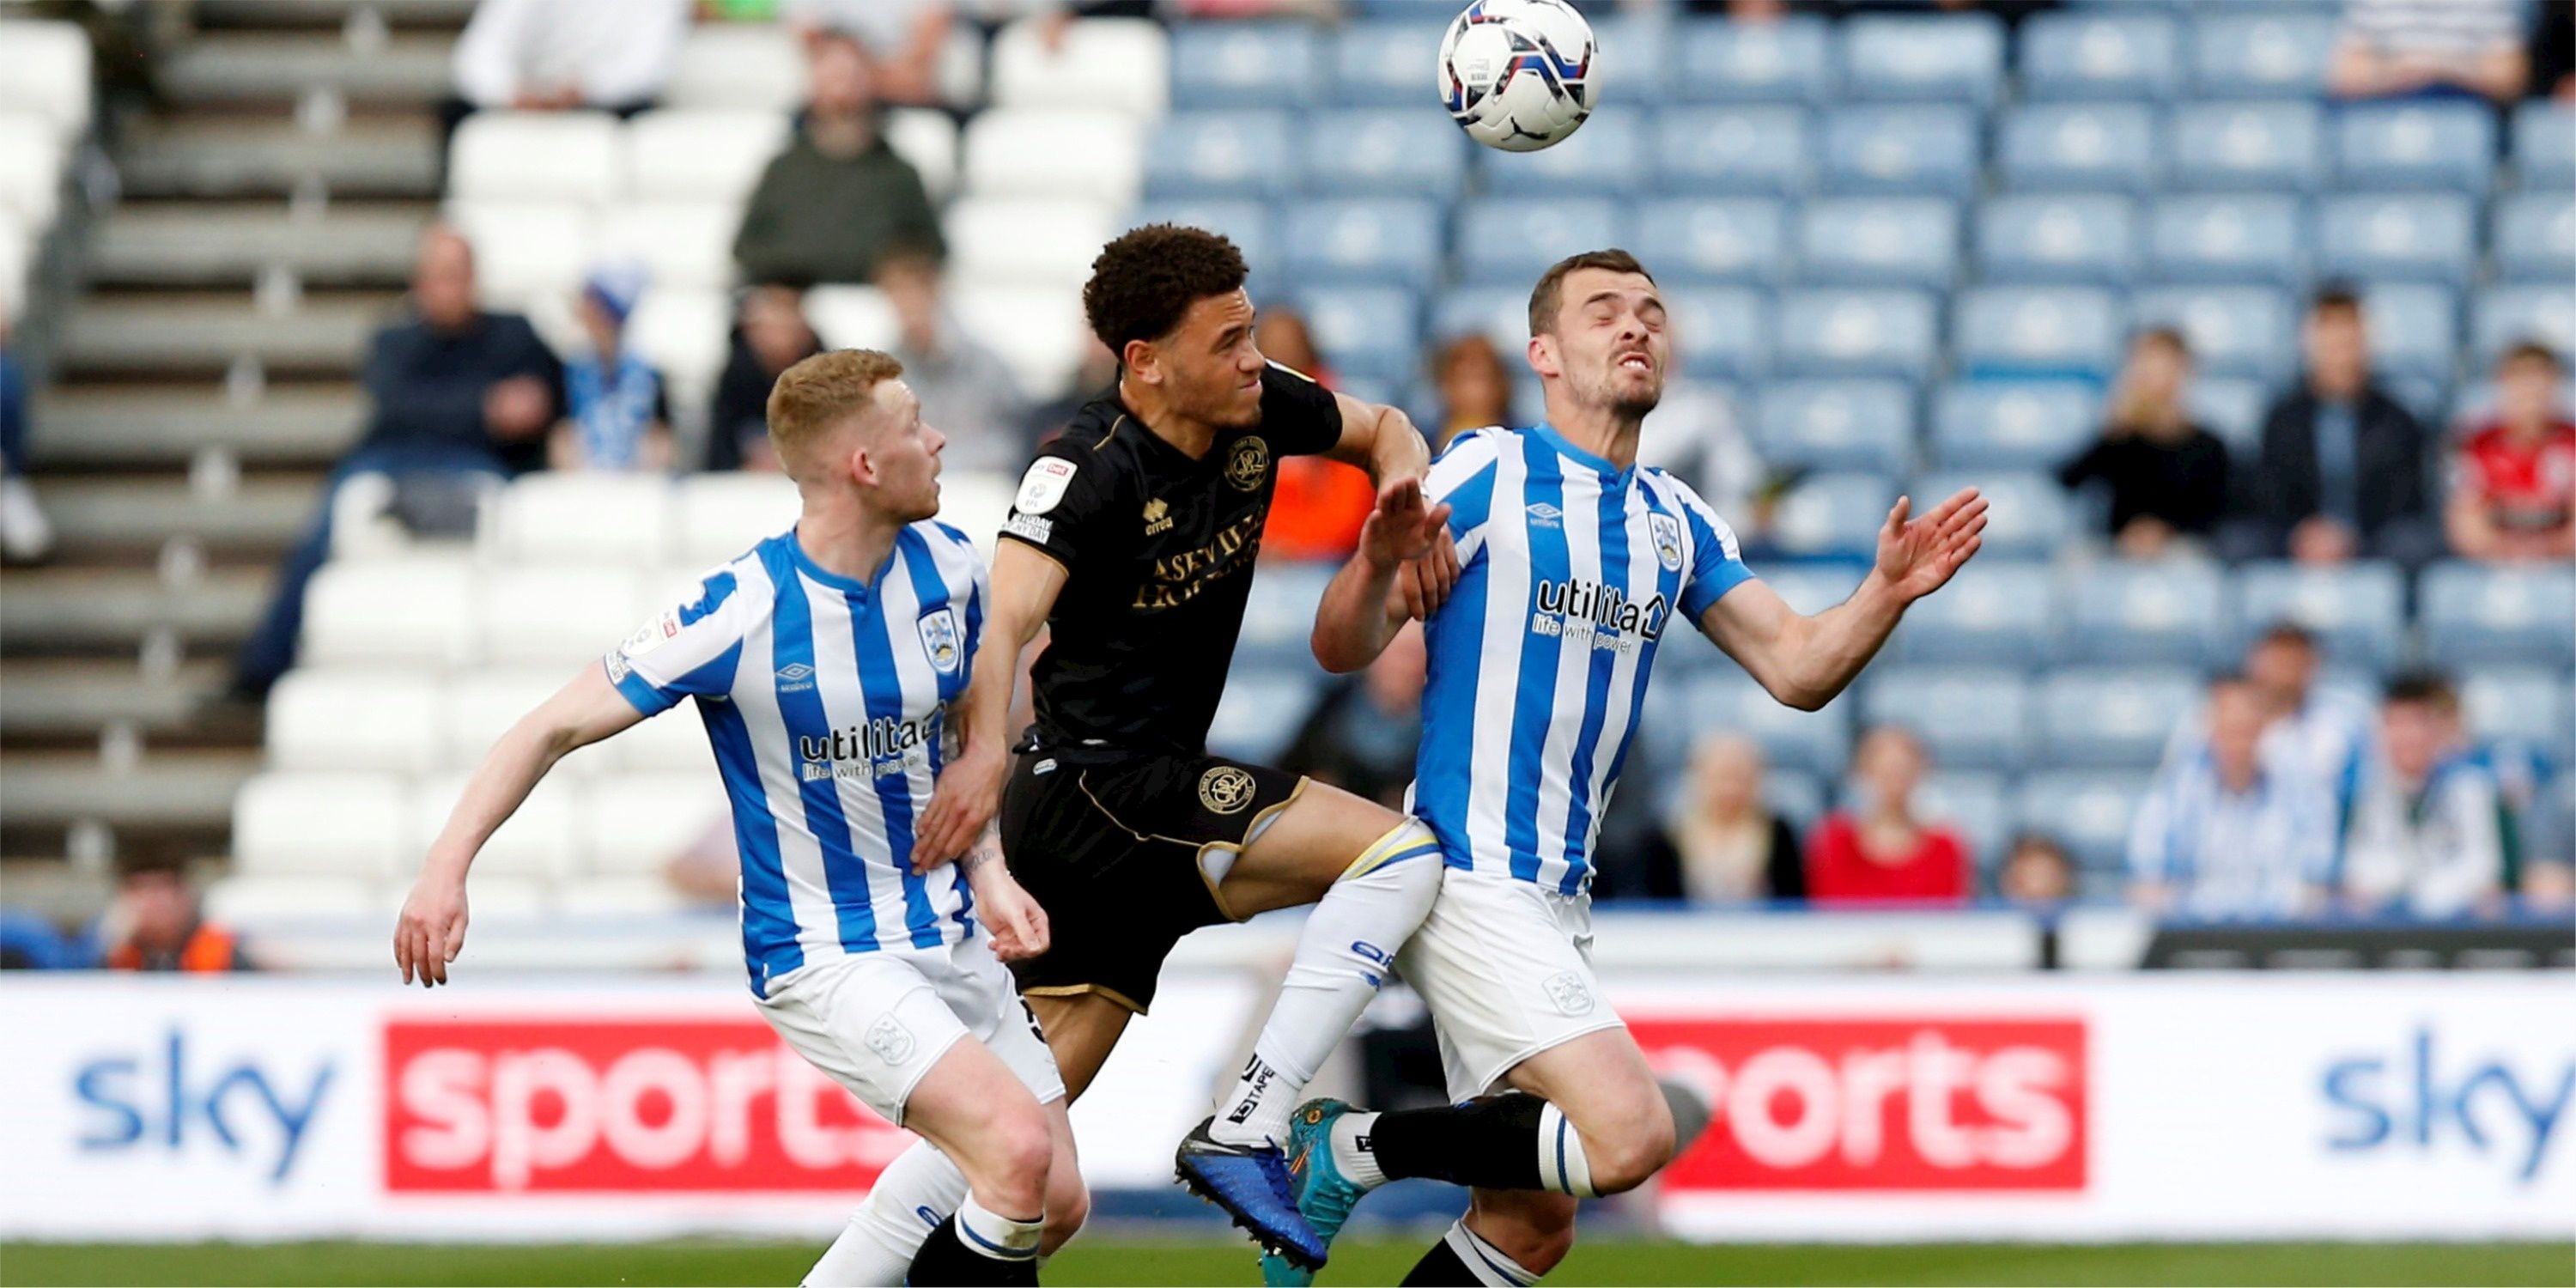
[[1342, 957], [1351, 1152], [987, 1233], [1485, 1261], [914, 1194]]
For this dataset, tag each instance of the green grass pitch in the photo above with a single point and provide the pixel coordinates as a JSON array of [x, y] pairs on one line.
[[1134, 1261]]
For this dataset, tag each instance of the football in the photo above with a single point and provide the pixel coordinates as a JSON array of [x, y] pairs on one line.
[[1517, 74]]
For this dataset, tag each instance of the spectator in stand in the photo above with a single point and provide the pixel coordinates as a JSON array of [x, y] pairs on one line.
[[1317, 505], [2227, 831], [2432, 831], [969, 387], [2343, 465], [1362, 735], [455, 391], [25, 535], [2553, 53], [2167, 474], [906, 37], [155, 925], [615, 414], [2513, 492], [1473, 385], [2037, 873], [834, 204], [555, 55], [1699, 439], [2449, 47], [1722, 844], [769, 336], [1877, 848], [2321, 733]]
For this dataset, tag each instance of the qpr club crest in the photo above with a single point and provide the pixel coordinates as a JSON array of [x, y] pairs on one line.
[[1248, 464], [942, 642], [1667, 532]]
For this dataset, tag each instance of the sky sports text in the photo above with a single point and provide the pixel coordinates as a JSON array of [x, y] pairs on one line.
[[2417, 1098], [157, 1097]]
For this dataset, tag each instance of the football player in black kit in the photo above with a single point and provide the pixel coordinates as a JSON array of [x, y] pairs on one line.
[[1133, 539]]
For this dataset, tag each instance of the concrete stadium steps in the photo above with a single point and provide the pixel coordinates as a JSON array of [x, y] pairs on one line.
[[55, 701], [162, 334], [184, 798], [271, 67], [114, 516], [251, 158], [202, 244], [90, 611], [287, 15], [124, 428]]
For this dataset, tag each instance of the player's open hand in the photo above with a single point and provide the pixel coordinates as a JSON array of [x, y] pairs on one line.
[[431, 930], [1918, 556], [1407, 533], [961, 803], [1018, 924]]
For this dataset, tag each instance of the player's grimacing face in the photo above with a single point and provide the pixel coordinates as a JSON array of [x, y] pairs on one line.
[[904, 452], [1211, 367], [1611, 342]]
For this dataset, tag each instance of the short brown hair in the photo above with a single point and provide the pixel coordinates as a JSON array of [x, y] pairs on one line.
[[1144, 280], [2335, 297], [1546, 296], [2170, 339], [818, 392], [2530, 351]]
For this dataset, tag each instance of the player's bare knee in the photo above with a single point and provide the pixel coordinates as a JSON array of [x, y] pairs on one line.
[[1632, 1150], [1015, 1154], [1068, 1205]]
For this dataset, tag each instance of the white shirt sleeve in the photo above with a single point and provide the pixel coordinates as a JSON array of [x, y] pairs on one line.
[[486, 65], [687, 650]]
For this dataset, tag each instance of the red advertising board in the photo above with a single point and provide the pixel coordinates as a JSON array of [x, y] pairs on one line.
[[1900, 1104]]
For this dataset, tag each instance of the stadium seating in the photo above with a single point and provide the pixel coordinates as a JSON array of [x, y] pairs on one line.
[[2089, 147], [2435, 145], [2101, 54], [2476, 615], [1967, 718], [2084, 238], [1758, 149], [1727, 239], [1851, 332], [1836, 424], [1879, 241], [2012, 424], [2544, 145], [2111, 718], [1994, 613], [1957, 59], [2265, 51], [1917, 148], [1225, 65], [2268, 147], [1122, 64], [1784, 61], [2356, 610], [2036, 332], [2170, 612]]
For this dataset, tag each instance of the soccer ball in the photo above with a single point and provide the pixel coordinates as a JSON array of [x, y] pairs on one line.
[[1516, 74]]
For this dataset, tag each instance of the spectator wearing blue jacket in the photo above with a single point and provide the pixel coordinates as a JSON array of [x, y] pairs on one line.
[[616, 416]]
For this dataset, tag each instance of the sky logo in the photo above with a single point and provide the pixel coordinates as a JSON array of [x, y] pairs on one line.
[[2414, 1099], [140, 1101]]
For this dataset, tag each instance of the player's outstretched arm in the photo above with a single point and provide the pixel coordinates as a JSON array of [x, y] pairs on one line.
[[1361, 610], [431, 929], [1383, 441], [1025, 584], [1805, 661]]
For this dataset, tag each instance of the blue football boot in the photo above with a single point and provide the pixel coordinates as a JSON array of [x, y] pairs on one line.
[[1325, 1197], [1251, 1184]]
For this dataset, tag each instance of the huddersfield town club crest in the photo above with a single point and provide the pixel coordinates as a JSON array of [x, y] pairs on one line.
[[1667, 532], [942, 642]]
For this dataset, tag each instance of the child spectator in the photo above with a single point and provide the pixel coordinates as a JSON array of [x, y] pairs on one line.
[[155, 925], [1878, 848], [2037, 873], [2431, 830], [616, 417], [2513, 491]]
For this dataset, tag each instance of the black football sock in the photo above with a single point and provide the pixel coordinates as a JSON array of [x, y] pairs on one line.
[[1491, 1141], [1441, 1267], [945, 1261], [1463, 1258]]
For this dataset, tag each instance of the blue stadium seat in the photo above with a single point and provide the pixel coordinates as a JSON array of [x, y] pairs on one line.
[[2480, 614], [2011, 424], [1369, 243], [2170, 612], [1230, 64], [2233, 330], [1832, 514], [1952, 58], [1606, 157], [2263, 147], [1968, 718], [1262, 710], [1219, 154], [1498, 313], [2422, 236], [2087, 811], [1796, 795], [1979, 806], [1834, 332], [2131, 52], [2087, 147], [2232, 407], [2415, 144], [2357, 610], [2528, 707], [1366, 332], [1925, 147], [2029, 518], [1639, 50], [1816, 742], [1502, 240], [2245, 51], [1723, 239], [2414, 331], [2544, 145], [1783, 61], [1759, 150], [1378, 153], [1388, 61], [2084, 238], [2535, 236], [1249, 224], [1719, 332], [2507, 315], [1879, 241], [1837, 425], [2036, 332], [2227, 238], [1813, 588], [2111, 717], [1994, 613], [1279, 616]]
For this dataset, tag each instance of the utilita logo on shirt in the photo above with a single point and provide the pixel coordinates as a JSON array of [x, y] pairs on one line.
[[1579, 609], [885, 745], [562, 1105], [1880, 1104]]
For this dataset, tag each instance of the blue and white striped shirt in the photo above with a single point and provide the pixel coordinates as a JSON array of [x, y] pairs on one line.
[[827, 700], [1572, 571]]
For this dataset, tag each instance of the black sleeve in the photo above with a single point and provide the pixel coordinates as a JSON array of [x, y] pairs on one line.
[[1064, 501], [1298, 416], [1659, 868], [2204, 497], [2087, 467], [1787, 870], [2410, 498]]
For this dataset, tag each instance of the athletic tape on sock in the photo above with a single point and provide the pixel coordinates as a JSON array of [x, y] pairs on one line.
[[1483, 1260], [1406, 840], [991, 1234], [1561, 1164]]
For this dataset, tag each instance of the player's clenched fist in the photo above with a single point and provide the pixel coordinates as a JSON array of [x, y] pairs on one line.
[[431, 929]]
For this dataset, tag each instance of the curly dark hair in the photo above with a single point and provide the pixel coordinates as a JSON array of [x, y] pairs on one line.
[[1148, 277]]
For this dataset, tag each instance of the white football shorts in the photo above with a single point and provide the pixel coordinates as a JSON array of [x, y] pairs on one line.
[[877, 1021], [1505, 967]]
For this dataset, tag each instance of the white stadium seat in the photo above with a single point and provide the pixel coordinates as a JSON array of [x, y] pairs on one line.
[[537, 841], [682, 333], [1038, 330], [17, 255], [535, 156], [1051, 152], [31, 169], [976, 504], [527, 252], [568, 518], [635, 896], [476, 707], [700, 154], [248, 900], [557, 614], [45, 72], [682, 245], [738, 65], [633, 823], [851, 317], [1026, 241], [928, 140], [336, 717], [415, 608], [722, 515], [1120, 63], [341, 823]]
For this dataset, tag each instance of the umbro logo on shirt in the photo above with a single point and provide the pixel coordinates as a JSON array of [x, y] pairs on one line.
[[1543, 515], [795, 677]]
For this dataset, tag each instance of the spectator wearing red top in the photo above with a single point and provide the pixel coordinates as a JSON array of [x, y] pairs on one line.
[[2513, 490], [1878, 849], [1318, 505]]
